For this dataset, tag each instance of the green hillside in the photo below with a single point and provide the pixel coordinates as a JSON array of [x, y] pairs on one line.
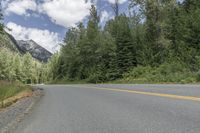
[[8, 41]]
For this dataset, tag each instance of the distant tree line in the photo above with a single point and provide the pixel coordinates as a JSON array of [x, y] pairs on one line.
[[160, 35]]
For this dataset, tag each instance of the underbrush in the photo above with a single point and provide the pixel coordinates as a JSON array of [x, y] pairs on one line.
[[172, 72], [9, 89], [165, 73]]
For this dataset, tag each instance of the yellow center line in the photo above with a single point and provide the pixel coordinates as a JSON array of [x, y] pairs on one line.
[[172, 96]]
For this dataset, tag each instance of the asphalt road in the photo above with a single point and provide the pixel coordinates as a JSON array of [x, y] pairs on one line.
[[115, 109]]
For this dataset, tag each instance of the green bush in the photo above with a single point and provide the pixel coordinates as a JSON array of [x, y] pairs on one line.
[[138, 72], [96, 78], [174, 72], [188, 80], [198, 76]]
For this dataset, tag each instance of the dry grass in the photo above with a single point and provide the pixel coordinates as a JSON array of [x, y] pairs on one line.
[[10, 92]]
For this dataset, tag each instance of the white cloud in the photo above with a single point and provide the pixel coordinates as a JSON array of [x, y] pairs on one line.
[[66, 12], [20, 7], [105, 16], [45, 38], [120, 1]]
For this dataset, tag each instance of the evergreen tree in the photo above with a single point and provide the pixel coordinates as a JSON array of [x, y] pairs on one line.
[[159, 33], [89, 45], [125, 49], [92, 29], [138, 35], [1, 19]]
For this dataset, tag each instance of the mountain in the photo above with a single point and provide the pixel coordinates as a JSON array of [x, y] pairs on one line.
[[22, 47], [34, 49]]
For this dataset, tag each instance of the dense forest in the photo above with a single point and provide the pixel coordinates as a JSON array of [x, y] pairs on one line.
[[156, 41]]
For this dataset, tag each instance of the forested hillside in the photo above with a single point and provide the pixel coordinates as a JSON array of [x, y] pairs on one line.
[[17, 66], [8, 41], [157, 41]]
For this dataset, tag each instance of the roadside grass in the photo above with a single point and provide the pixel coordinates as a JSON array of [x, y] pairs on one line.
[[10, 89]]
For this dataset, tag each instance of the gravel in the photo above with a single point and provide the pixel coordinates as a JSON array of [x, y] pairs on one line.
[[11, 116]]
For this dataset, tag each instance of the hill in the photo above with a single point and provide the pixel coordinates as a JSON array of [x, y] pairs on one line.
[[34, 49], [21, 46]]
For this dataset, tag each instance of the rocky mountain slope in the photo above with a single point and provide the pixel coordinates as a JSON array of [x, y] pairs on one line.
[[34, 49], [37, 51]]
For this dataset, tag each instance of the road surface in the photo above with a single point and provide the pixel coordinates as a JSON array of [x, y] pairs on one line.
[[115, 109]]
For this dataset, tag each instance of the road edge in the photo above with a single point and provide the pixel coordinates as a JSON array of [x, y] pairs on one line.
[[22, 108]]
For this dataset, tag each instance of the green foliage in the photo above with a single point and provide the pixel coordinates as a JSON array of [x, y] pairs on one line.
[[1, 18], [6, 42], [15, 67], [138, 72], [53, 67], [126, 52], [168, 72], [198, 76], [160, 42]]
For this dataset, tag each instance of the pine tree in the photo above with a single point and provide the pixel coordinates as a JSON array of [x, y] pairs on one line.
[[192, 15], [160, 32], [92, 29], [89, 46], [1, 19], [126, 52]]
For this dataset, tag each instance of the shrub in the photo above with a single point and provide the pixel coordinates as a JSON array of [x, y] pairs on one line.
[[96, 77], [188, 80], [167, 72], [198, 76], [138, 72]]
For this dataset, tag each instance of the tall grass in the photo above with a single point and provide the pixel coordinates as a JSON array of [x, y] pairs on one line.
[[9, 89]]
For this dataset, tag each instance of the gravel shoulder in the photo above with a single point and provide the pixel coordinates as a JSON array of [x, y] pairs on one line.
[[12, 115]]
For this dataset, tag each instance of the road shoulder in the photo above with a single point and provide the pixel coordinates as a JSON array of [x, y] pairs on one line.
[[11, 116]]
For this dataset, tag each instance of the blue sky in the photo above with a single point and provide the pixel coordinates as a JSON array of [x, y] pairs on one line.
[[46, 21]]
